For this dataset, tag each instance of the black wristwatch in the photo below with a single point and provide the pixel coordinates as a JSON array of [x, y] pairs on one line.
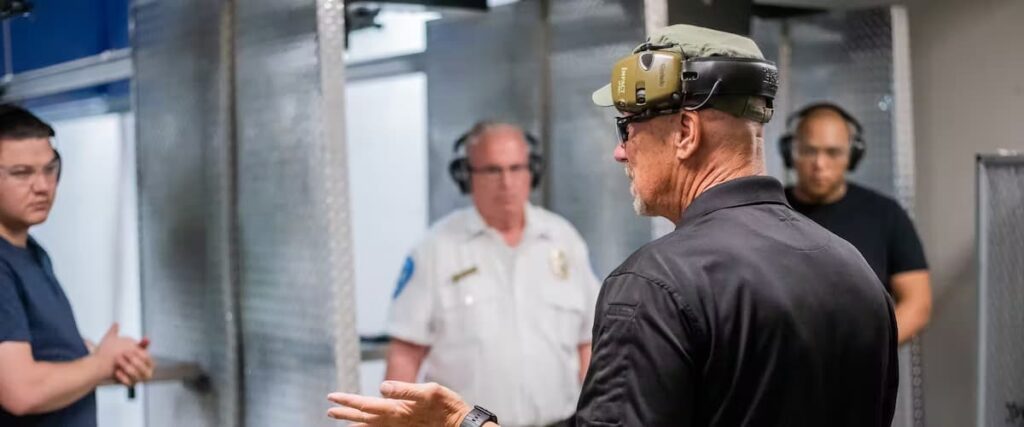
[[478, 417]]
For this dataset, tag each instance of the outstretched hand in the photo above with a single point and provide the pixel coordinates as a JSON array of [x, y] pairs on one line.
[[403, 405]]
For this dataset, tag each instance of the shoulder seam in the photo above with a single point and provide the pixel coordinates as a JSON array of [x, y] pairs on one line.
[[688, 312]]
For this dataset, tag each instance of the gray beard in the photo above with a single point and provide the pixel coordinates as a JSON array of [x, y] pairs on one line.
[[639, 206]]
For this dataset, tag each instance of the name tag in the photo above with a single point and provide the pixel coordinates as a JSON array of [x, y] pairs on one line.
[[464, 274]]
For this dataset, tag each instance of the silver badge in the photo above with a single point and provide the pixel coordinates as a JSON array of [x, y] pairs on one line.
[[559, 264]]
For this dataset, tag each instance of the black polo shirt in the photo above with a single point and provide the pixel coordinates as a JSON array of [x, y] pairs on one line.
[[748, 314], [34, 310]]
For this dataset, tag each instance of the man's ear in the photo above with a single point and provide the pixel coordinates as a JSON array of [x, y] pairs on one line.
[[688, 139]]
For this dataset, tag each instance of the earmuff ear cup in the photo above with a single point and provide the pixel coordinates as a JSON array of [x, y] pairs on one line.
[[459, 171], [536, 164], [857, 149], [786, 150]]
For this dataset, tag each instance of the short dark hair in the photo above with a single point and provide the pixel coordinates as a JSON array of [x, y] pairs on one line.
[[19, 123]]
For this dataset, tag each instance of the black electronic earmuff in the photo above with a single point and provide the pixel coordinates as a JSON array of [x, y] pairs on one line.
[[857, 145], [459, 168]]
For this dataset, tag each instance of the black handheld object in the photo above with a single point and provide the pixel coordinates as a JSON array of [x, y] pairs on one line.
[[857, 145], [144, 343], [460, 171]]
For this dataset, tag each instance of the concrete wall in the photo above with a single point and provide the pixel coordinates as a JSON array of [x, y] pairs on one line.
[[968, 97]]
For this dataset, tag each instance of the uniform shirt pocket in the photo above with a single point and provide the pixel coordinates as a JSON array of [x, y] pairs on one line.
[[468, 307], [563, 312]]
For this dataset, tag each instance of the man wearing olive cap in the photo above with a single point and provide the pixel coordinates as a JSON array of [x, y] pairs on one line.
[[748, 314]]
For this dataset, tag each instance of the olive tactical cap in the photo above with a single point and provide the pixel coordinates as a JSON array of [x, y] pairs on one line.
[[655, 77]]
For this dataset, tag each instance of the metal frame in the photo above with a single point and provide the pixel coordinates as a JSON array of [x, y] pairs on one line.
[[330, 31], [385, 67], [981, 195], [903, 175], [106, 67]]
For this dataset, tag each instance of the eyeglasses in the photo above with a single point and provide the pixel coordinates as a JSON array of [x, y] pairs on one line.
[[23, 175], [803, 152], [495, 172], [622, 123]]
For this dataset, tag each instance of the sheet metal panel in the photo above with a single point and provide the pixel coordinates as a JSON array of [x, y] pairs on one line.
[[182, 106], [298, 324], [1001, 290], [587, 186]]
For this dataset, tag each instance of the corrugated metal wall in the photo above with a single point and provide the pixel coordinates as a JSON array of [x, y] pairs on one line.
[[246, 251]]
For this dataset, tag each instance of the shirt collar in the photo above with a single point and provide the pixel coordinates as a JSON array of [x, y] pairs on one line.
[[30, 245], [535, 226], [750, 190]]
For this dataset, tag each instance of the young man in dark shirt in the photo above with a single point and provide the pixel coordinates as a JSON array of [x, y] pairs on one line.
[[824, 146], [47, 371]]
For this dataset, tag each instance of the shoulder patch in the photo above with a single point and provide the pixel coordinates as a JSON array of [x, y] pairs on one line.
[[403, 279]]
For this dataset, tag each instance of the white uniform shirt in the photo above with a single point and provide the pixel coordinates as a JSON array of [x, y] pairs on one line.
[[504, 340]]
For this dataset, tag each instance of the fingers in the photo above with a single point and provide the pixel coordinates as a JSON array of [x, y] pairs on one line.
[[426, 392], [141, 363], [371, 405], [352, 414], [125, 365], [407, 391], [112, 331], [123, 378]]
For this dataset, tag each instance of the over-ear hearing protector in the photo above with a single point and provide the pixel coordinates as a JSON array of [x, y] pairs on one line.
[[857, 145], [659, 77], [459, 168]]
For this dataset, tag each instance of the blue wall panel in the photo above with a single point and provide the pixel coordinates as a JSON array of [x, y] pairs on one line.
[[63, 30]]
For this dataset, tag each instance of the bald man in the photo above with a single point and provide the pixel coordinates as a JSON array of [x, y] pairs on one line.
[[824, 148]]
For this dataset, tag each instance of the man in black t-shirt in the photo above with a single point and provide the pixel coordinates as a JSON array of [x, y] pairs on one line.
[[824, 145]]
